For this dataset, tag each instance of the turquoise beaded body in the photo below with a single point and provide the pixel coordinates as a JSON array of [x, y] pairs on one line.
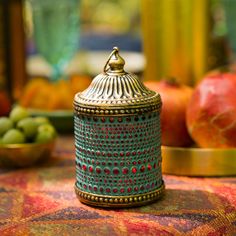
[[118, 155], [118, 142]]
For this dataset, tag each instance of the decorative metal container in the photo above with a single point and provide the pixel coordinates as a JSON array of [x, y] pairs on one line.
[[117, 139]]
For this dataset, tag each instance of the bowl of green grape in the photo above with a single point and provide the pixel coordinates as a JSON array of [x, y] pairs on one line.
[[25, 140]]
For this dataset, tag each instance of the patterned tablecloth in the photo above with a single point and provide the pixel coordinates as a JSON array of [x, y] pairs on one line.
[[41, 201]]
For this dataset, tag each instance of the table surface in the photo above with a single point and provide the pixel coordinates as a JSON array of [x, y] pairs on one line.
[[41, 201]]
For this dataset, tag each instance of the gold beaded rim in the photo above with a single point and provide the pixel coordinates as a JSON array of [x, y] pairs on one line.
[[115, 111], [119, 201]]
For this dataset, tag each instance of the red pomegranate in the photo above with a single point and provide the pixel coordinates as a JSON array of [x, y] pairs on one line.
[[175, 98], [211, 114], [5, 105]]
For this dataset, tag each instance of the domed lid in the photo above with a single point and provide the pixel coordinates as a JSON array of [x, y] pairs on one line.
[[116, 92]]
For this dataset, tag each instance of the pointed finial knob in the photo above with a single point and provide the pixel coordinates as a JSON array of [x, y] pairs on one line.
[[115, 61]]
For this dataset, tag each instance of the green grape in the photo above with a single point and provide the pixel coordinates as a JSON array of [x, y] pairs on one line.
[[46, 132], [40, 120], [13, 136], [5, 125], [18, 113], [28, 126]]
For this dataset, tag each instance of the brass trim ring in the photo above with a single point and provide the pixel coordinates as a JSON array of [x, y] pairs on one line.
[[119, 201]]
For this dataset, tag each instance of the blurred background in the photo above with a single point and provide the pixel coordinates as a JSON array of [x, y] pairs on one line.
[[50, 50]]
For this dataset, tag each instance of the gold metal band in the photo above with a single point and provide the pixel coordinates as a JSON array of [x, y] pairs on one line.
[[119, 201], [115, 111], [199, 161]]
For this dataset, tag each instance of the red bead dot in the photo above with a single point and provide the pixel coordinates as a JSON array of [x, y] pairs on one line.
[[84, 167], [128, 154], [103, 119], [91, 169], [85, 186], [136, 189], [129, 190], [142, 187], [107, 171], [142, 169], [149, 167], [125, 171], [116, 171], [134, 170], [98, 170], [122, 190], [155, 165], [108, 190], [111, 119], [121, 154], [101, 189], [95, 188], [115, 190]]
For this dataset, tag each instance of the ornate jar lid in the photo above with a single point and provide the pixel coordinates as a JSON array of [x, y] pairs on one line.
[[116, 92]]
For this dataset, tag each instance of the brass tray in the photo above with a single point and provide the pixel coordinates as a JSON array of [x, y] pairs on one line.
[[198, 161]]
